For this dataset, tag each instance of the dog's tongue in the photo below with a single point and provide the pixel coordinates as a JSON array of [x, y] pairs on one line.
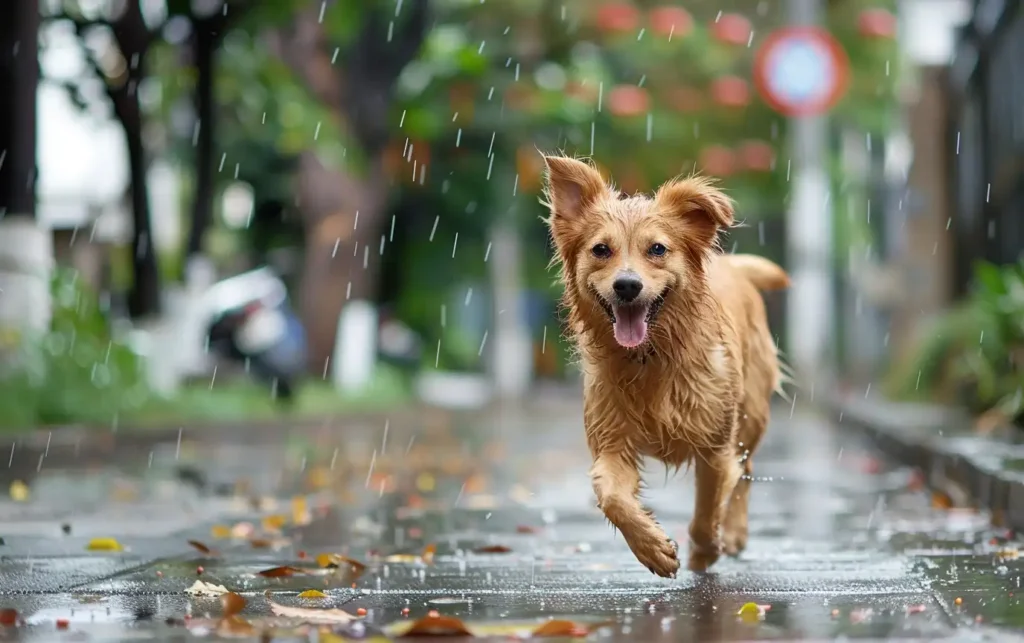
[[630, 325]]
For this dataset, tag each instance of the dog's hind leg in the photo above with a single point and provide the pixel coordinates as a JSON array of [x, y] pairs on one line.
[[751, 426], [717, 474], [616, 480]]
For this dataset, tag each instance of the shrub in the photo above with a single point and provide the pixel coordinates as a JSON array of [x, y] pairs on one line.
[[79, 372], [973, 354]]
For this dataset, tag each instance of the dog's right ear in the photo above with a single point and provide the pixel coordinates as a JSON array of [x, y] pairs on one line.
[[572, 187]]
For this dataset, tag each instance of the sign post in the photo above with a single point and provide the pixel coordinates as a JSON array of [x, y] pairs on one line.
[[802, 72]]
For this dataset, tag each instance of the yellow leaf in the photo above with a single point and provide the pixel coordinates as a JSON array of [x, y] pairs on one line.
[[312, 593], [220, 531], [425, 482], [104, 544], [275, 522], [750, 612], [19, 491]]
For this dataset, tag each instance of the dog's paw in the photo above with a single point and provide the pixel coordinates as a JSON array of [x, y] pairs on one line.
[[657, 552], [734, 543], [701, 558]]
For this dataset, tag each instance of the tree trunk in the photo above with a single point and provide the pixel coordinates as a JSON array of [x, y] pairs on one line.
[[205, 49], [344, 218], [19, 77], [144, 296]]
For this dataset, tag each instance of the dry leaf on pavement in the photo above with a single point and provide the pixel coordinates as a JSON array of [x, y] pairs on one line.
[[492, 549], [104, 544], [312, 615], [278, 572], [201, 548], [202, 588], [436, 625]]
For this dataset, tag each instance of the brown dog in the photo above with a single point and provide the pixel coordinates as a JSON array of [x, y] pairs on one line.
[[677, 358]]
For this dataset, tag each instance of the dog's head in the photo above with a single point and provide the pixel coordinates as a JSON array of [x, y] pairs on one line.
[[625, 256]]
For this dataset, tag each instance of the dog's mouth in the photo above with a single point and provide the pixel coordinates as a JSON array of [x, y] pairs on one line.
[[631, 322]]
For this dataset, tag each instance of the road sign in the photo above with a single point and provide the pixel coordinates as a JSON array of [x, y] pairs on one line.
[[801, 71]]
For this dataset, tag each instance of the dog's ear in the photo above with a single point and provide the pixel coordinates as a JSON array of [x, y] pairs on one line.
[[572, 187], [703, 207]]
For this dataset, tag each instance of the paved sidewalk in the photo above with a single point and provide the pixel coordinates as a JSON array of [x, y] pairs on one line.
[[490, 521]]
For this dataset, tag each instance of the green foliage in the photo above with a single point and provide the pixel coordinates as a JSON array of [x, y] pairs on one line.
[[974, 352], [78, 373]]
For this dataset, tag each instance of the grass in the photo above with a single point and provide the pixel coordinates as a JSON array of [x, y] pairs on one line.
[[243, 400]]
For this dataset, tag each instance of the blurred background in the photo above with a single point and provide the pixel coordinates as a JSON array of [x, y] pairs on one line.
[[232, 210]]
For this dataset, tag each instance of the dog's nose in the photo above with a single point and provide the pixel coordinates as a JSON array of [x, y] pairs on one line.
[[627, 287]]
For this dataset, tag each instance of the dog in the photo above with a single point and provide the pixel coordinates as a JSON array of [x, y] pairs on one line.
[[677, 359]]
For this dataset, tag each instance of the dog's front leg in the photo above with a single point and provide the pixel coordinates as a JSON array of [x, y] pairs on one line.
[[616, 480]]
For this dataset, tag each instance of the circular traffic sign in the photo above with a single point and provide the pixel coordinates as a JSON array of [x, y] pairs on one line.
[[801, 71]]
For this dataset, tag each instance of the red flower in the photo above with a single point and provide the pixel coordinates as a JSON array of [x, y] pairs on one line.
[[670, 20], [730, 91], [877, 23], [617, 16], [717, 160], [732, 29], [757, 156], [628, 100]]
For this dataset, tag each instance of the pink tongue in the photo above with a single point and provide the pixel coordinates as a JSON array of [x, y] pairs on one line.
[[630, 325]]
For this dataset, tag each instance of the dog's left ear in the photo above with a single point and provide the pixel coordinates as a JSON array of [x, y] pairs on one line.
[[699, 203]]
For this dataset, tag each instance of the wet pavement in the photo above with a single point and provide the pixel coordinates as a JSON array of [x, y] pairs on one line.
[[479, 524]]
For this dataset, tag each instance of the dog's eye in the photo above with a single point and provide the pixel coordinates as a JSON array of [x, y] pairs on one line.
[[657, 250], [601, 251]]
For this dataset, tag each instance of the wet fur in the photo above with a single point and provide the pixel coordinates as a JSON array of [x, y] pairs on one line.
[[697, 391]]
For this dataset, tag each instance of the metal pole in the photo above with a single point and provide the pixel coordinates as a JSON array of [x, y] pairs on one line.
[[809, 238]]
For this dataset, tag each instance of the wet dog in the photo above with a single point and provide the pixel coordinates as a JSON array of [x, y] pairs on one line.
[[677, 358]]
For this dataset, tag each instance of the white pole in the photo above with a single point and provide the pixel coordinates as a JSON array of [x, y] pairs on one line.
[[809, 238]]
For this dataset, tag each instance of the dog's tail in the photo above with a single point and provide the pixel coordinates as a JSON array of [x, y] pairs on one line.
[[764, 274]]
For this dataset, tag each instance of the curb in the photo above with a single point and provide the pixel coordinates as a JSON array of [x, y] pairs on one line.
[[968, 467]]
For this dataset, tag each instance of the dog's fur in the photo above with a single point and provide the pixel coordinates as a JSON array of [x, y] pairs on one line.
[[690, 386]]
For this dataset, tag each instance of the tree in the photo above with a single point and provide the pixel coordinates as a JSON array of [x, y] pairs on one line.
[[19, 76], [350, 60], [121, 66]]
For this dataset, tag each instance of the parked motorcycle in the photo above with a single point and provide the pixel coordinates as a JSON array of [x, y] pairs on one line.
[[251, 321]]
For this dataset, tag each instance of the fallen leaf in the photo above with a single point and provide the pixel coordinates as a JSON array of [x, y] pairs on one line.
[[941, 501], [278, 572], [19, 491], [104, 544], [435, 625], [203, 549], [259, 543], [312, 615], [1008, 553], [300, 511], [526, 529], [492, 549], [560, 628], [8, 617], [337, 560], [750, 612], [428, 553], [231, 603], [220, 531], [235, 626], [312, 593], [201, 588], [275, 522]]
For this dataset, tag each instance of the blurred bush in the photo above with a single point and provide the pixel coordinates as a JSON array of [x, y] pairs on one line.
[[78, 373], [972, 355]]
